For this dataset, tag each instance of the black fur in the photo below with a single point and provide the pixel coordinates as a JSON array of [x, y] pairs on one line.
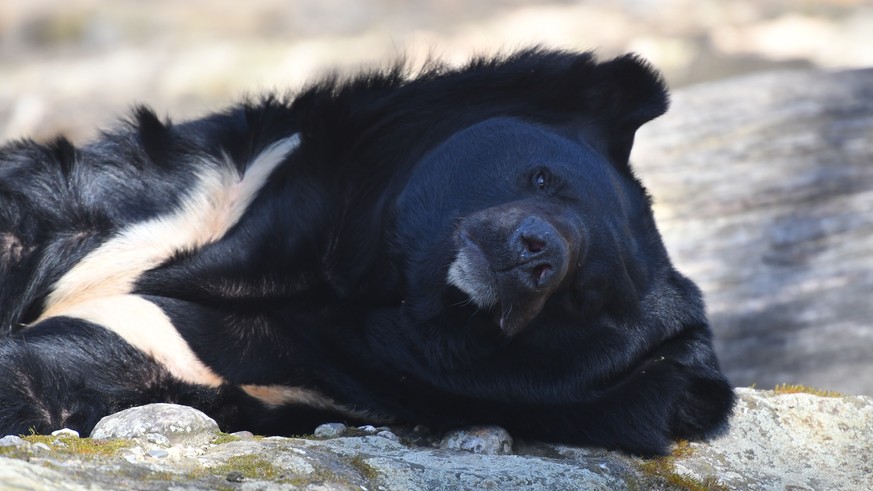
[[336, 278]]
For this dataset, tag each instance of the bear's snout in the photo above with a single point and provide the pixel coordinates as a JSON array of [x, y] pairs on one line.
[[541, 251], [511, 259]]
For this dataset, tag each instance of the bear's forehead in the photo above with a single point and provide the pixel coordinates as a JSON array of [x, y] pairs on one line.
[[507, 146], [497, 162]]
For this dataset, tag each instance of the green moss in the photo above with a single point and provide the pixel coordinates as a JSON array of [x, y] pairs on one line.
[[318, 476], [308, 436], [163, 476], [224, 438], [250, 466], [81, 446], [664, 469], [682, 450], [352, 431], [254, 467], [10, 451], [802, 389], [366, 470]]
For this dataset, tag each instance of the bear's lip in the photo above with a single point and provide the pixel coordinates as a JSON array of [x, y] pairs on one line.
[[520, 298]]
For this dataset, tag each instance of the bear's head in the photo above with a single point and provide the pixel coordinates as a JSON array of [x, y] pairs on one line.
[[498, 262], [535, 212]]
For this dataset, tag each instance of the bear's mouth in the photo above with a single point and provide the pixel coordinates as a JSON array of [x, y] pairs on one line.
[[513, 277]]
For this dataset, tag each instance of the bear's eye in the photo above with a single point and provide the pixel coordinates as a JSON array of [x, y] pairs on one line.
[[540, 180]]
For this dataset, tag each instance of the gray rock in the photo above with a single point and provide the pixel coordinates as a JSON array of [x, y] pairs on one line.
[[762, 188], [41, 447], [134, 455], [157, 439], [235, 476], [66, 432], [396, 466], [330, 430], [369, 429], [776, 441], [389, 435], [179, 424], [488, 440], [12, 441], [158, 453], [20, 475], [790, 441]]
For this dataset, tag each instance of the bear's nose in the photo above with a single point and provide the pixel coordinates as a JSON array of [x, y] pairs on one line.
[[532, 237], [534, 240]]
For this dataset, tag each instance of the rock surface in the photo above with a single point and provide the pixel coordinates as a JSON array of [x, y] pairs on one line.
[[791, 441], [161, 423], [488, 440], [763, 190], [776, 441]]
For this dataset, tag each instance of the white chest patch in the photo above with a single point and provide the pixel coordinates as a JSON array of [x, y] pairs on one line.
[[97, 289]]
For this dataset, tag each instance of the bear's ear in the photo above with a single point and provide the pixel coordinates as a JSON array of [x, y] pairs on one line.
[[629, 93]]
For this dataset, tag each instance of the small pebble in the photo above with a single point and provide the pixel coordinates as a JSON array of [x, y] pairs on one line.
[[330, 430], [158, 453], [389, 435], [190, 452], [12, 441], [158, 439], [235, 476], [370, 429], [243, 434], [66, 432], [134, 455], [42, 447], [487, 440]]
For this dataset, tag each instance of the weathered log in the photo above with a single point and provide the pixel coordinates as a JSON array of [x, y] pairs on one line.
[[764, 193]]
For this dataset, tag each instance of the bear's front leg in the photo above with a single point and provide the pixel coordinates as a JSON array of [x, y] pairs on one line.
[[694, 394], [69, 373], [675, 392]]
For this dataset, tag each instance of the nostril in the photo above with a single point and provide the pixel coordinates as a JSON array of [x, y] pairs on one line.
[[533, 244]]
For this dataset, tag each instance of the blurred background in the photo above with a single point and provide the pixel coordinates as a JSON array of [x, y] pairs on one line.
[[71, 65], [74, 66]]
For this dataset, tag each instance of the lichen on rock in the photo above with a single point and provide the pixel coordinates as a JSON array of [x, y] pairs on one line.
[[776, 441]]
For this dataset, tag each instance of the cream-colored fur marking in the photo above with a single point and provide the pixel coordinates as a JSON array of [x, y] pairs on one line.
[[97, 289], [145, 326], [214, 206], [464, 275], [279, 395]]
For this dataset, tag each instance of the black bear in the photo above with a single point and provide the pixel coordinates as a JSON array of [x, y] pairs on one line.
[[451, 247]]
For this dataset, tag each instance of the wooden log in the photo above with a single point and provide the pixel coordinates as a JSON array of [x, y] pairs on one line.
[[763, 189]]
